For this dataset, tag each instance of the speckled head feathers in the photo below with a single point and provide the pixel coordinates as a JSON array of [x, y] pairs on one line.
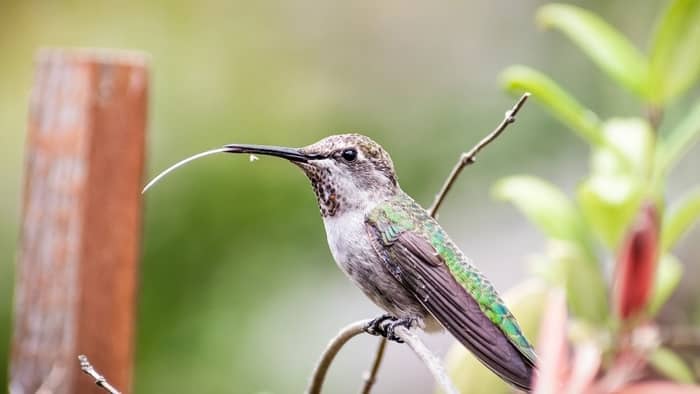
[[354, 171]]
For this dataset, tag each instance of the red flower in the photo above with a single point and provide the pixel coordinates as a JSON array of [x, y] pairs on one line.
[[634, 277]]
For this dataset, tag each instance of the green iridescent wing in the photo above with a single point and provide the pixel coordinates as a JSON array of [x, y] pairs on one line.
[[421, 257]]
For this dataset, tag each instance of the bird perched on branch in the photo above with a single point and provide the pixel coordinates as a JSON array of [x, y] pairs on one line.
[[400, 257]]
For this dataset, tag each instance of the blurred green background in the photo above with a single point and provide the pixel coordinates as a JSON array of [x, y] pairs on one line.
[[238, 290]]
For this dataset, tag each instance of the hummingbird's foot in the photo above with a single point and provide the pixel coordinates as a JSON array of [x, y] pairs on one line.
[[378, 325], [407, 322]]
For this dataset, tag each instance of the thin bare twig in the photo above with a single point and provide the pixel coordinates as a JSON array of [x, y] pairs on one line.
[[464, 160], [100, 380], [371, 376], [347, 333], [408, 336], [470, 157], [429, 359]]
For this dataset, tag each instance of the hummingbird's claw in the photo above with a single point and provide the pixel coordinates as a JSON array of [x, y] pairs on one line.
[[407, 322], [378, 325], [385, 325]]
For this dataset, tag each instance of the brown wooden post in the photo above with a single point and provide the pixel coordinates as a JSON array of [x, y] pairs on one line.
[[81, 229]]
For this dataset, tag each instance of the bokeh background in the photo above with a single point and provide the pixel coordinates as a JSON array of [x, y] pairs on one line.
[[239, 292]]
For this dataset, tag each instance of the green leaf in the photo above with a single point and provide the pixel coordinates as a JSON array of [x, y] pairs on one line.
[[679, 142], [546, 206], [668, 275], [628, 148], [609, 202], [607, 47], [586, 292], [675, 58], [550, 270], [680, 218], [671, 365], [609, 198], [562, 105], [525, 301], [586, 289]]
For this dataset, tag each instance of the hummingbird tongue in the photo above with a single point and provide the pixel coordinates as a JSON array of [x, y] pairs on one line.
[[181, 163]]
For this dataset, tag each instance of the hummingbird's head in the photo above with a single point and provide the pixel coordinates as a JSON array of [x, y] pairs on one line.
[[347, 171], [355, 173]]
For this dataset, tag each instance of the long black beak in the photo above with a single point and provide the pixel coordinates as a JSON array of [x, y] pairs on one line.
[[292, 154]]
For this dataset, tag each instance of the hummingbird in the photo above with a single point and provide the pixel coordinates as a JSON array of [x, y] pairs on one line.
[[399, 256]]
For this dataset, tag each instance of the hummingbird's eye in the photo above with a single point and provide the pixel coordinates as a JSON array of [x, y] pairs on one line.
[[349, 154]]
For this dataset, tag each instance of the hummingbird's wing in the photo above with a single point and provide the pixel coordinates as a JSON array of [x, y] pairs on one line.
[[454, 293]]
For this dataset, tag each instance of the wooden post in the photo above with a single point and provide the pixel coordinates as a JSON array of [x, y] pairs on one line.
[[81, 228]]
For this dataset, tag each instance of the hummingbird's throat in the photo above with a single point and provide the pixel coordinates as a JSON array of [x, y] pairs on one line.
[[326, 193]]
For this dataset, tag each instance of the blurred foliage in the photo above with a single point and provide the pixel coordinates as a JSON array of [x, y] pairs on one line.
[[235, 270], [616, 212]]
